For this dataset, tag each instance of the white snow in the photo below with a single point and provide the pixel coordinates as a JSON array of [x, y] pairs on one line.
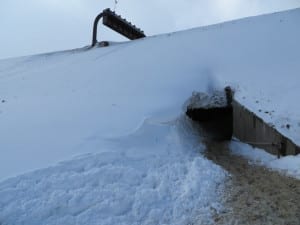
[[66, 98], [153, 176], [207, 100], [288, 165], [122, 108]]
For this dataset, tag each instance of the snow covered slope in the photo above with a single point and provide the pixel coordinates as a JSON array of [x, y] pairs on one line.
[[122, 104], [153, 176], [61, 104]]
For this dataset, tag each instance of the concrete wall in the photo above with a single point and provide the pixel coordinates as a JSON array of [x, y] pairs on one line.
[[251, 129]]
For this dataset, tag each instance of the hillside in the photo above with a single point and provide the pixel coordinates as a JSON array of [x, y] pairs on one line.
[[116, 115]]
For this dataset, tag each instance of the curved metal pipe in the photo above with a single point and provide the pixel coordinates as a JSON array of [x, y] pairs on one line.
[[95, 29]]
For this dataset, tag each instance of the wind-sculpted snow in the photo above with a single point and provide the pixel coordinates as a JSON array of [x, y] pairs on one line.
[[95, 102], [52, 105], [153, 176]]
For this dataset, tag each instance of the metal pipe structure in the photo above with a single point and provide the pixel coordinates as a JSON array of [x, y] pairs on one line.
[[95, 29], [118, 24]]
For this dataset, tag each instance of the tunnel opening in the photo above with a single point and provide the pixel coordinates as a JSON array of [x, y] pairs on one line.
[[220, 117], [214, 113]]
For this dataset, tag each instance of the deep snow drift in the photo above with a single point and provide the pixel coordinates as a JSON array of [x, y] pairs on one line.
[[153, 176], [54, 103], [100, 101]]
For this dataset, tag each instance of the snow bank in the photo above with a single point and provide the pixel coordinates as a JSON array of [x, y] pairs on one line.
[[54, 104], [289, 165], [153, 176], [118, 104]]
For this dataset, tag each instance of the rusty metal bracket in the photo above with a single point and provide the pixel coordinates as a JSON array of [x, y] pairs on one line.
[[118, 24]]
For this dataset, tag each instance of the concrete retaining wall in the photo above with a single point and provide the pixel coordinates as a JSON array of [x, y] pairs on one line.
[[251, 129]]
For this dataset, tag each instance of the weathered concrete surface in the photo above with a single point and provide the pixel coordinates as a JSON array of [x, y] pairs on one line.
[[251, 129], [229, 118]]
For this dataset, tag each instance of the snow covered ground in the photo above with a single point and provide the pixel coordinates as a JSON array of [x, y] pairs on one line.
[[288, 165], [115, 117], [152, 176]]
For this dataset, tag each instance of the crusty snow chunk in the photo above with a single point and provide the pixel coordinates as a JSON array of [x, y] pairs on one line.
[[203, 100]]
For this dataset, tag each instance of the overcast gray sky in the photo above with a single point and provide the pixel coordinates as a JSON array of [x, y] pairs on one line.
[[35, 26]]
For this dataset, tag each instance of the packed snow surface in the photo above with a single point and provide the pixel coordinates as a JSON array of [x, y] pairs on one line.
[[122, 107]]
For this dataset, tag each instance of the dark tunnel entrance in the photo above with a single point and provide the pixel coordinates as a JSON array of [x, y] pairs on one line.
[[214, 113]]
